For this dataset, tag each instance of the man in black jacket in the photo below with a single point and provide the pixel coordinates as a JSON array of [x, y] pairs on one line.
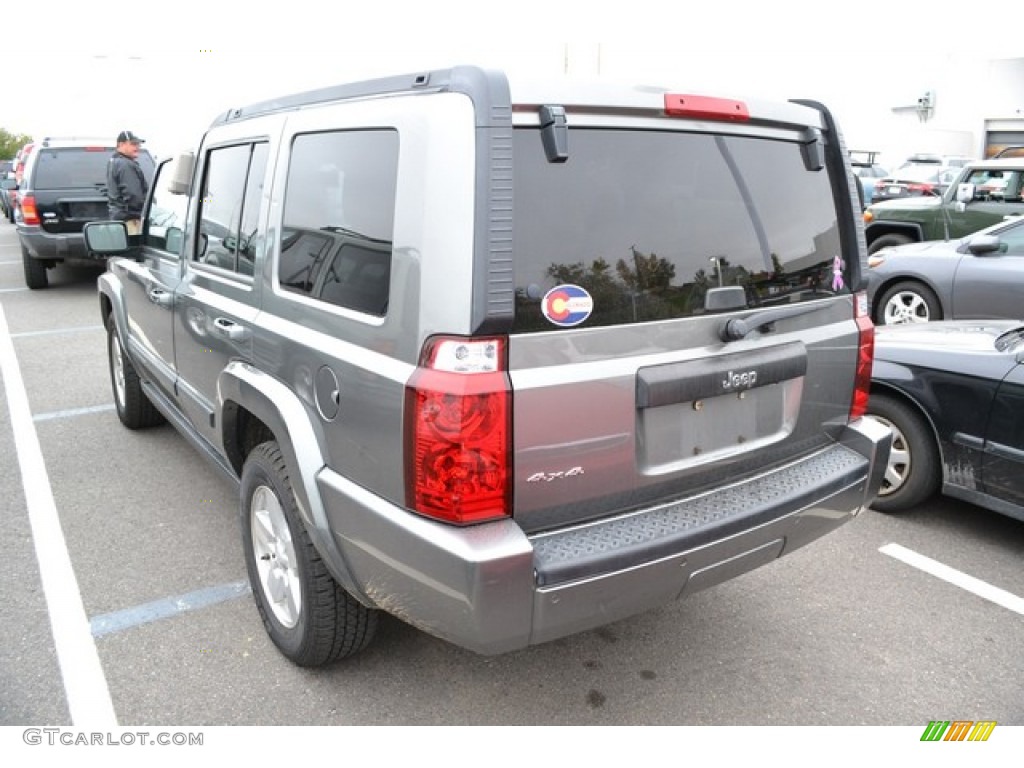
[[126, 184]]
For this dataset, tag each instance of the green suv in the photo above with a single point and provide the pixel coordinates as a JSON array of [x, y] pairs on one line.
[[984, 193]]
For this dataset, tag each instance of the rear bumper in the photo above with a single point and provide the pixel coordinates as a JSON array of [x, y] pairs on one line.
[[492, 589], [54, 247]]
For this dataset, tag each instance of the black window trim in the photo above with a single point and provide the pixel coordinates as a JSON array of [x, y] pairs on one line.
[[222, 273]]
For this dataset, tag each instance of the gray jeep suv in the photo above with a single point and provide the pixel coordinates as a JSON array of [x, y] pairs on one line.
[[508, 361]]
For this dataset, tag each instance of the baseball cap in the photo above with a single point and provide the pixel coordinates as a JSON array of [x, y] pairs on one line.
[[129, 136]]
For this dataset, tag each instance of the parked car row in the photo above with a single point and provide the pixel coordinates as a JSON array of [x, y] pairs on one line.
[[284, 256], [8, 192], [913, 181], [868, 171], [983, 193], [945, 280]]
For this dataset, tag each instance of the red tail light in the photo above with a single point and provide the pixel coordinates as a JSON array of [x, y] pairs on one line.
[[29, 214], [458, 430], [865, 357]]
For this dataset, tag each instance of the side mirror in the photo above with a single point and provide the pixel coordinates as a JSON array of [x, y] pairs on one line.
[[181, 182], [964, 193], [174, 240], [105, 238], [979, 245]]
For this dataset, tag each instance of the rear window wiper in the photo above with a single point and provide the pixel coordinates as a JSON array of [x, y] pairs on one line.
[[737, 328]]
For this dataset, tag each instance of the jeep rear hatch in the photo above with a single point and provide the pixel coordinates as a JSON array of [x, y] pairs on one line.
[[684, 314]]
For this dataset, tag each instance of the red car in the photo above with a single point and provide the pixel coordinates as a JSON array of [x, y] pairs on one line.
[[913, 181]]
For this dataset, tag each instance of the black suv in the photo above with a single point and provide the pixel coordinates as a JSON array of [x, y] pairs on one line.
[[65, 185]]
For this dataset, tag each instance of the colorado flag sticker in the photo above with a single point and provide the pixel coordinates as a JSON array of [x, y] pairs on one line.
[[567, 305]]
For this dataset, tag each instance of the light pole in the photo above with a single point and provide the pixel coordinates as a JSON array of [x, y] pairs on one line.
[[718, 269]]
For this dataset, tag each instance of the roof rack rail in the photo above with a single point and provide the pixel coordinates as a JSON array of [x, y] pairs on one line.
[[461, 79]]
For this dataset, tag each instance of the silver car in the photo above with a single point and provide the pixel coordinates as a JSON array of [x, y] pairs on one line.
[[980, 276]]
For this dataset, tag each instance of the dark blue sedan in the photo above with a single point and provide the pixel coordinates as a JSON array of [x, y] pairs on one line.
[[953, 394]]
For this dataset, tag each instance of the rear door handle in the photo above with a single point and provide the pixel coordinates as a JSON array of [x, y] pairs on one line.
[[229, 329]]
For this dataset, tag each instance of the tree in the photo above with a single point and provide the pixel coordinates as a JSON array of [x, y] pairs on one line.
[[648, 273], [10, 143]]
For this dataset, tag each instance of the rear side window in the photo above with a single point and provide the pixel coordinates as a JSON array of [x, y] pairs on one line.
[[338, 218], [646, 222]]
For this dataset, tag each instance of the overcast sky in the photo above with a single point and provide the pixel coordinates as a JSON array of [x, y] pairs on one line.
[[166, 73]]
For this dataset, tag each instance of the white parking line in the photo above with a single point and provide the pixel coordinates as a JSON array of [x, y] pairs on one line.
[[957, 578], [84, 683], [57, 331], [71, 412], [166, 608]]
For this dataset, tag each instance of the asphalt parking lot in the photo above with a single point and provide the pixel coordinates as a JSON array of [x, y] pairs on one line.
[[135, 608]]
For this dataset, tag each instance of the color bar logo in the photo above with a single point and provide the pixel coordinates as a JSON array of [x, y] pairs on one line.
[[958, 730]]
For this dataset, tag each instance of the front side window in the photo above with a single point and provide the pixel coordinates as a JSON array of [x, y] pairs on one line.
[[229, 207], [995, 184], [339, 208], [648, 222], [1012, 241], [165, 218]]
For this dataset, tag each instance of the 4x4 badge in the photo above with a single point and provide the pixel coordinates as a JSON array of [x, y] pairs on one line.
[[567, 305], [547, 477]]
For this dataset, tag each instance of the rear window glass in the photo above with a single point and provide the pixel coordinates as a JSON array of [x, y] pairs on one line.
[[81, 167], [646, 222]]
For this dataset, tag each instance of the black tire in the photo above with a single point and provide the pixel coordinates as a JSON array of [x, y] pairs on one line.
[[907, 302], [310, 618], [913, 473], [134, 409], [35, 270], [884, 241]]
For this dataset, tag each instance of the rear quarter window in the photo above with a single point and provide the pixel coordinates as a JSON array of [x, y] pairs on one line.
[[646, 222], [336, 238]]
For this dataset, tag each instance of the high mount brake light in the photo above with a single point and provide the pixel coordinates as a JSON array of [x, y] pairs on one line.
[[458, 429], [705, 107]]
